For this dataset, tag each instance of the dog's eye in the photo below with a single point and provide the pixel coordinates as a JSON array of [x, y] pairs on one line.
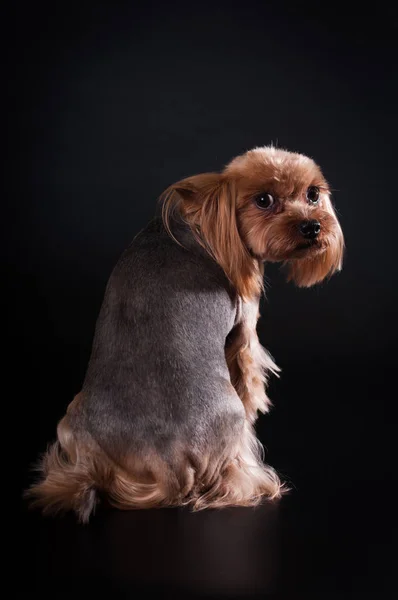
[[313, 194], [264, 200]]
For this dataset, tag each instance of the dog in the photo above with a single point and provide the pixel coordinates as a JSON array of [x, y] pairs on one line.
[[177, 375]]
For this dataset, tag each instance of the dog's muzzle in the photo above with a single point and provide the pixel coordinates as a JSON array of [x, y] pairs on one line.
[[310, 229]]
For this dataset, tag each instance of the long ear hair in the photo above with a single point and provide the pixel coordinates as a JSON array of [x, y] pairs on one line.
[[207, 203]]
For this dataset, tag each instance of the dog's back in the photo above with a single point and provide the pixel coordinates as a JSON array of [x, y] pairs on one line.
[[157, 370], [157, 420]]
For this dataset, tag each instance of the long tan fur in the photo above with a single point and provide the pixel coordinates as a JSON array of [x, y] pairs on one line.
[[76, 472], [208, 204]]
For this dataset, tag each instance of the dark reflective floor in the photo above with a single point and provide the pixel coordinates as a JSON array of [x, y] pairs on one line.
[[230, 553], [285, 550]]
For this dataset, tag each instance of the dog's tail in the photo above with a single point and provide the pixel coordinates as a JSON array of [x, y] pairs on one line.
[[73, 476], [69, 479], [64, 485]]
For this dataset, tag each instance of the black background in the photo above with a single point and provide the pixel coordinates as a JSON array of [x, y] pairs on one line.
[[109, 103]]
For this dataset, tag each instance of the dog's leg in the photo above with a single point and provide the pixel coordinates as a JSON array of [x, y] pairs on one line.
[[75, 471], [248, 362], [245, 479]]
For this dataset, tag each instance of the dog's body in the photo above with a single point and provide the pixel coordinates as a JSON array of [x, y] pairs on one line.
[[174, 383]]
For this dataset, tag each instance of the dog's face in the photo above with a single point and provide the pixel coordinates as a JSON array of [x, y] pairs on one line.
[[267, 205], [285, 214]]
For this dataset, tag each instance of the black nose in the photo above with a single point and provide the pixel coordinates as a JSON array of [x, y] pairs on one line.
[[310, 229]]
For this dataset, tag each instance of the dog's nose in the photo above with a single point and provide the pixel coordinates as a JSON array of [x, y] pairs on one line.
[[310, 229]]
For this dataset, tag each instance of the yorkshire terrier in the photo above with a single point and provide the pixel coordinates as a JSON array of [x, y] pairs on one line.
[[177, 374]]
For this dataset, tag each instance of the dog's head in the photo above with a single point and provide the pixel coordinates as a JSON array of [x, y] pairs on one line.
[[267, 205]]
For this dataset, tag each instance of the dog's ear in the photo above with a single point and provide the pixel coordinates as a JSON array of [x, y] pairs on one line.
[[196, 186], [208, 203]]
